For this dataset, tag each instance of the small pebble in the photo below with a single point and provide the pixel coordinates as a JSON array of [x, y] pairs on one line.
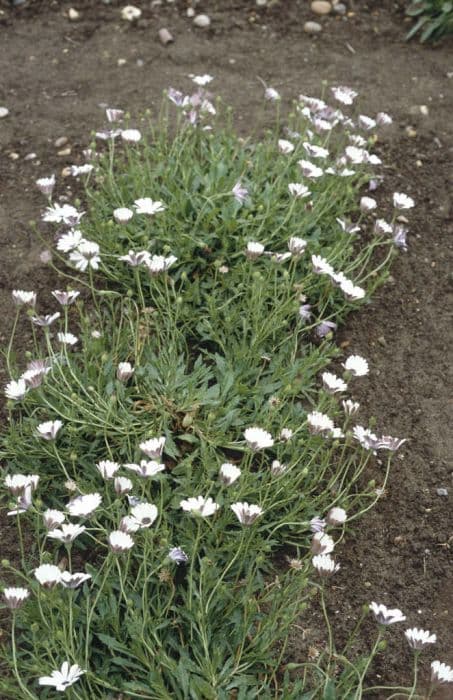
[[442, 492], [73, 14], [261, 3], [190, 12], [64, 151], [165, 37], [121, 62], [130, 13], [382, 341], [15, 156], [4, 111], [30, 156], [202, 21], [312, 28], [60, 141], [339, 8], [321, 7]]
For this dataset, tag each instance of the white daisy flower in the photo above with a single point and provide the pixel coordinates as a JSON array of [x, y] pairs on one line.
[[285, 147], [73, 581], [153, 447], [258, 439], [402, 201], [67, 338], [16, 390], [385, 615], [350, 407], [145, 514], [58, 214], [271, 95], [366, 123], [357, 365], [46, 184], [14, 597], [356, 155], [324, 564], [332, 383], [134, 259], [382, 228], [62, 679], [296, 246], [254, 250], [67, 533], [53, 518], [322, 543], [85, 169], [146, 205], [22, 298], [157, 264], [441, 673], [315, 151], [319, 423], [114, 115], [49, 429], [352, 291], [17, 483], [107, 468], [200, 506], [120, 541], [83, 506], [131, 135], [124, 371], [129, 524], [246, 513], [48, 575], [201, 80], [86, 255], [285, 434], [229, 473], [321, 266], [367, 204], [417, 638], [69, 241], [343, 94], [298, 190], [383, 119], [65, 298], [122, 485], [122, 215], [45, 321], [278, 468], [146, 469], [336, 516], [310, 169]]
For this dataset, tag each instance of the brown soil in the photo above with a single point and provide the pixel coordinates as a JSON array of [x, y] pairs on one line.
[[56, 74]]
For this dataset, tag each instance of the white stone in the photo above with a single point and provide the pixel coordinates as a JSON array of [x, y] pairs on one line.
[[202, 21], [312, 28], [3, 112], [73, 14], [321, 7]]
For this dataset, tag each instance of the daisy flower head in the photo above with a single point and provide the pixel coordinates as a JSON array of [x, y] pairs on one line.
[[333, 384], [122, 485], [367, 204], [271, 95], [146, 205], [239, 192], [49, 429], [46, 320], [336, 516], [73, 581], [356, 155], [120, 541], [146, 469], [156, 264], [77, 170], [319, 423], [258, 439], [366, 123], [201, 80], [131, 135], [278, 468], [322, 543], [53, 518], [402, 201], [441, 673], [22, 298], [199, 506], [107, 468], [317, 524], [122, 215], [296, 189], [285, 434], [246, 513], [62, 214], [324, 564], [124, 371], [383, 119], [114, 115], [315, 151], [83, 506], [285, 147], [382, 228], [14, 597], [229, 473], [16, 390], [69, 241], [178, 555], [296, 246], [134, 259], [129, 524], [310, 169], [385, 615], [17, 483], [67, 338], [145, 514], [417, 638], [367, 439], [67, 533], [48, 575], [45, 185], [24, 501], [350, 407], [85, 255], [343, 94], [153, 447], [321, 266], [65, 298], [387, 442], [305, 312], [254, 250], [352, 291], [399, 236], [357, 365], [65, 677]]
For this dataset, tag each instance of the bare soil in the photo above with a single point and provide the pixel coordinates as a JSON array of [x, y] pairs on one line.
[[56, 74]]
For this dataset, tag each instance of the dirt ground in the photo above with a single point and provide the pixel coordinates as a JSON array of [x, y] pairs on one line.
[[56, 74]]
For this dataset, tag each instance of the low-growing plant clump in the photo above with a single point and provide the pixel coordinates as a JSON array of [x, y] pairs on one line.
[[177, 433], [433, 19]]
